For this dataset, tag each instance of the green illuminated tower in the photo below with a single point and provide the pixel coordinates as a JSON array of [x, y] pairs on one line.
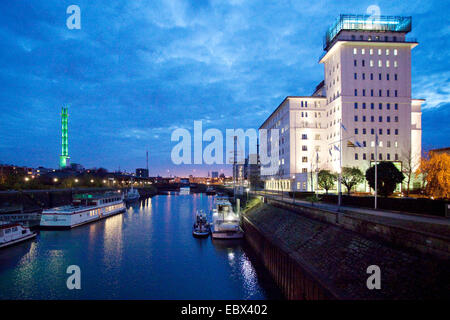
[[64, 159]]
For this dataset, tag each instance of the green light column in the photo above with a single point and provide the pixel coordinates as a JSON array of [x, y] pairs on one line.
[[64, 159]]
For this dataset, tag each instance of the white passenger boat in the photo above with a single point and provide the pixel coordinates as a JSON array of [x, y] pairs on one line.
[[84, 209], [185, 190], [12, 233], [226, 223], [132, 195]]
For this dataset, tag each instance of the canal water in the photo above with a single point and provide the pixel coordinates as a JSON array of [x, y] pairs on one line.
[[146, 253]]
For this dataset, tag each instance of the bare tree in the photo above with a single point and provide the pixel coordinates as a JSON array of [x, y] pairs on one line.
[[409, 167]]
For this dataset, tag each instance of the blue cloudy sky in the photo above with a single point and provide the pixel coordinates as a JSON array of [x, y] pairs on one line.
[[139, 69]]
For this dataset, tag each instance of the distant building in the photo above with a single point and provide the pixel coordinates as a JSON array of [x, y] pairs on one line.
[[41, 171], [214, 174], [142, 173], [77, 167]]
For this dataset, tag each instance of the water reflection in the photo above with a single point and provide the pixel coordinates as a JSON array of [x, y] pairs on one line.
[[146, 253]]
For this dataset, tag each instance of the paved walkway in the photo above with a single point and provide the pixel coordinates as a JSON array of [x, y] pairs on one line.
[[414, 218]]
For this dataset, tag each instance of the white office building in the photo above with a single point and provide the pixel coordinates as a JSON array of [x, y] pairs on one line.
[[366, 93]]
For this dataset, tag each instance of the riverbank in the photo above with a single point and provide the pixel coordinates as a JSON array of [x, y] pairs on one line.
[[313, 260]]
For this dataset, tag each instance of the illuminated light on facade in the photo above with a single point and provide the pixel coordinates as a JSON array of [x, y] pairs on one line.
[[64, 159]]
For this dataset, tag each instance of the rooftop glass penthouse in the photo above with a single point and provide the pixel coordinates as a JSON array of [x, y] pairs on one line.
[[349, 22]]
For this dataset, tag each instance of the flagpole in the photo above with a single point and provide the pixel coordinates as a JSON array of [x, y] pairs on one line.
[[340, 167], [376, 173]]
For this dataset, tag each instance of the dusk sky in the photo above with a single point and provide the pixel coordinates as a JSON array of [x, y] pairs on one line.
[[137, 70]]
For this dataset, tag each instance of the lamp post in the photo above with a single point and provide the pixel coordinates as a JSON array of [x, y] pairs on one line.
[[293, 187]]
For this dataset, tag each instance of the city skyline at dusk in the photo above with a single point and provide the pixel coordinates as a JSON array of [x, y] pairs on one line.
[[135, 72]]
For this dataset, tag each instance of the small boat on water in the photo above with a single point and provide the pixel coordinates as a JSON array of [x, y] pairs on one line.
[[210, 191], [132, 195], [85, 208], [201, 227], [226, 223], [12, 233]]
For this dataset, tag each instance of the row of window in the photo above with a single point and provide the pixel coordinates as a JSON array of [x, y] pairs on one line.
[[380, 76], [380, 131], [376, 38], [380, 93], [380, 119], [372, 63], [380, 156], [371, 51], [380, 106]]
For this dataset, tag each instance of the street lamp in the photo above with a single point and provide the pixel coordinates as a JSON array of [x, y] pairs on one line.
[[26, 179], [92, 180], [293, 186], [247, 189], [55, 179], [76, 180]]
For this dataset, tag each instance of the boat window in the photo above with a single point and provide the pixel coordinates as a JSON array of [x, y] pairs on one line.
[[14, 229], [7, 231]]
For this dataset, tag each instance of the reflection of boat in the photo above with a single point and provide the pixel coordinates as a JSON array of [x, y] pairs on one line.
[[185, 190], [132, 195], [225, 221], [201, 226], [12, 233], [210, 191], [84, 209]]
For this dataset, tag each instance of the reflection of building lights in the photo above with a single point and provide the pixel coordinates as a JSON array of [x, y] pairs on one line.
[[26, 179], [76, 180], [55, 180]]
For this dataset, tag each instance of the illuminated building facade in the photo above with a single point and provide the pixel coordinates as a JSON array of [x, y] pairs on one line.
[[365, 96], [64, 159]]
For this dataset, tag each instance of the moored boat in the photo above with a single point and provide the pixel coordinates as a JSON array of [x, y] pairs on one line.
[[210, 191], [226, 223], [132, 195], [12, 233], [85, 208], [201, 227]]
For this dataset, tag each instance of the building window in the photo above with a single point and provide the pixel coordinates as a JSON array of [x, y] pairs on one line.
[[388, 106], [355, 51], [371, 51], [355, 76], [371, 63], [388, 131], [380, 94], [356, 156], [364, 130], [364, 92], [380, 63], [356, 105], [380, 156], [371, 92], [380, 131], [395, 52], [379, 76], [364, 118], [388, 156], [364, 156], [396, 132], [388, 64], [355, 63], [356, 130], [388, 144], [363, 63], [304, 159], [356, 92], [364, 76], [379, 52], [304, 136], [364, 105], [396, 106], [388, 119], [371, 76], [372, 106], [372, 131], [304, 170], [372, 156], [364, 144], [387, 51], [363, 51], [396, 157], [396, 118], [372, 118], [304, 148], [387, 76], [387, 93], [396, 93], [395, 77], [380, 119], [395, 64], [380, 106]]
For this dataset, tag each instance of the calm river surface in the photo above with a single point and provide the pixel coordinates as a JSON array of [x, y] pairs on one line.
[[146, 253]]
